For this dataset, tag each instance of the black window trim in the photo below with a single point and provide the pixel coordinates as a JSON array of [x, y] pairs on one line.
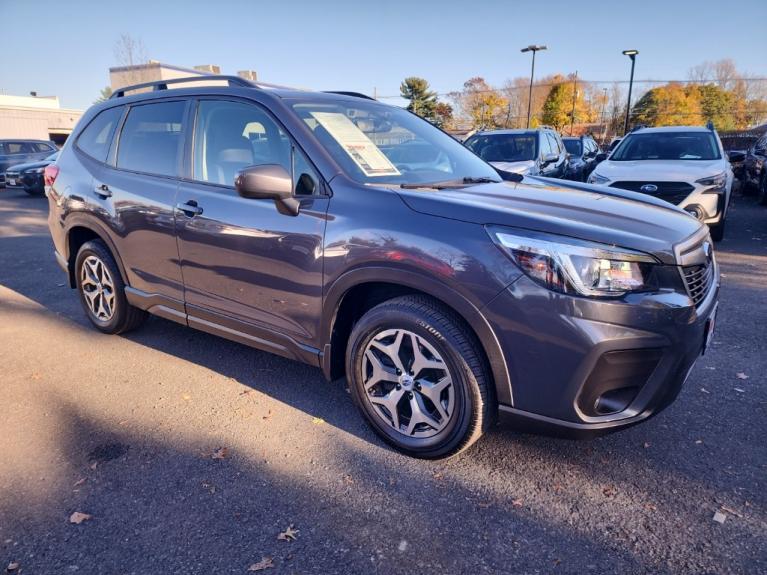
[[188, 164], [76, 143], [114, 149]]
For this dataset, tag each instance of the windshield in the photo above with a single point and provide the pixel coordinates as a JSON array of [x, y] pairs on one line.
[[573, 147], [668, 146], [503, 147], [378, 144]]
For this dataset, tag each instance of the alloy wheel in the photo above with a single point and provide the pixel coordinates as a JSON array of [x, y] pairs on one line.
[[97, 288], [407, 383]]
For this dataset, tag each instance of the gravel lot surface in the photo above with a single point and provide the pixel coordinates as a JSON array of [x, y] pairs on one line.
[[191, 454]]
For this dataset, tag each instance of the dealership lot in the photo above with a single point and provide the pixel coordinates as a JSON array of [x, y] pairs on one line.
[[192, 454]]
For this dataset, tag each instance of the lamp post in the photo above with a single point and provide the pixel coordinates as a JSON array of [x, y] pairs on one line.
[[633, 55], [531, 48]]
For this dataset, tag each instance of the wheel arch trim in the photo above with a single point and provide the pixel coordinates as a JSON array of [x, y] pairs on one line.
[[95, 226]]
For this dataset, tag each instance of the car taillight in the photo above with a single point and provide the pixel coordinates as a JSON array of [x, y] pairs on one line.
[[50, 174]]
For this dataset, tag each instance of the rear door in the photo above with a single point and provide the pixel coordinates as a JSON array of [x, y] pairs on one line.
[[136, 192], [247, 266]]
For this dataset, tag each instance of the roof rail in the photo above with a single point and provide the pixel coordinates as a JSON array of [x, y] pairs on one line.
[[710, 125], [163, 84], [353, 94]]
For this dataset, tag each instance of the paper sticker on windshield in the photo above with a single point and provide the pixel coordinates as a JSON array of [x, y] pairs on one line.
[[360, 148]]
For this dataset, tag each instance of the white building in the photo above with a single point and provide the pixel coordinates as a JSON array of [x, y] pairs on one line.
[[36, 118]]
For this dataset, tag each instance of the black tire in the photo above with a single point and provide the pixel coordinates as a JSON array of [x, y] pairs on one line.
[[762, 193], [473, 410], [124, 317], [717, 231]]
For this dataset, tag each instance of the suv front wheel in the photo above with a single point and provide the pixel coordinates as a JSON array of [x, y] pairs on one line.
[[102, 290], [416, 373]]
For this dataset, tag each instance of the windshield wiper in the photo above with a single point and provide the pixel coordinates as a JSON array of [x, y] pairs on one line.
[[457, 183]]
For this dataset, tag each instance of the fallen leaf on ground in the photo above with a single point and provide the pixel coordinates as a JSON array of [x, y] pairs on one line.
[[220, 453], [289, 534], [609, 491], [719, 517], [517, 502], [265, 563], [318, 421], [731, 511], [704, 390], [646, 444], [268, 415], [348, 479], [741, 375], [650, 507], [79, 482], [12, 566], [94, 465], [78, 517], [209, 485], [698, 441], [739, 390]]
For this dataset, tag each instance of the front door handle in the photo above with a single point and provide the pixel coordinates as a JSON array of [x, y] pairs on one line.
[[102, 191], [190, 208]]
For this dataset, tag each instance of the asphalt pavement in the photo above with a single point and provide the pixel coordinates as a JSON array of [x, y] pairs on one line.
[[188, 454]]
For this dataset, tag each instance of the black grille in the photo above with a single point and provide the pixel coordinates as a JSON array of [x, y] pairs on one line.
[[698, 280], [673, 192]]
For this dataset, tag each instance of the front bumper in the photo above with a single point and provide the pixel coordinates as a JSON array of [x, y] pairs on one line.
[[25, 181], [581, 367]]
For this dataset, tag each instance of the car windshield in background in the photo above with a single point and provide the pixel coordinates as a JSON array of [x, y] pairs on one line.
[[377, 144], [668, 146], [503, 147], [573, 147]]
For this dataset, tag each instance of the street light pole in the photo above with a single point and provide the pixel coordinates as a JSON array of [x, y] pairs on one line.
[[631, 54], [575, 95], [532, 48]]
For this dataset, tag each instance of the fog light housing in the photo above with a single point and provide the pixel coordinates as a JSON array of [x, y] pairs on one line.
[[696, 211]]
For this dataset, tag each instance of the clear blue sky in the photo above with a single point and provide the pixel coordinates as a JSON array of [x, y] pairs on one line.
[[66, 48]]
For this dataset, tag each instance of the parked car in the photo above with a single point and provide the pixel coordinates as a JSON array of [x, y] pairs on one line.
[[446, 296], [13, 152], [582, 158], [684, 165], [755, 169], [29, 177], [737, 160], [538, 152], [613, 144]]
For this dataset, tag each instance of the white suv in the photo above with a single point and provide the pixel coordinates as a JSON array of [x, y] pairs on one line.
[[684, 165]]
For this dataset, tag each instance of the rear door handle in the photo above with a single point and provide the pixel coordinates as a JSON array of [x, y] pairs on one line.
[[190, 208], [102, 191]]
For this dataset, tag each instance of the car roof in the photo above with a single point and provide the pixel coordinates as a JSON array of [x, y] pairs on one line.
[[671, 129], [25, 140], [510, 131]]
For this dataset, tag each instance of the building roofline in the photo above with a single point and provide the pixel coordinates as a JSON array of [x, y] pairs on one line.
[[159, 65]]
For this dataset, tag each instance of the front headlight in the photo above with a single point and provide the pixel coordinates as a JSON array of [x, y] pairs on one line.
[[572, 266], [718, 181], [595, 178], [35, 171]]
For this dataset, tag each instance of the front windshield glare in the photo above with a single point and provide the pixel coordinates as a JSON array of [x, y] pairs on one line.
[[503, 147], [668, 146], [378, 144]]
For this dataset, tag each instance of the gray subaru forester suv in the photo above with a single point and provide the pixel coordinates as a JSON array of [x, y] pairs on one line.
[[354, 236]]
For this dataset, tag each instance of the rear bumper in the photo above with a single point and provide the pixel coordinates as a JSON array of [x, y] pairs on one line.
[[581, 368]]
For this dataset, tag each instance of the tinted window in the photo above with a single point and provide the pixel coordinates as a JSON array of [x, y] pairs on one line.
[[545, 145], [97, 136], [233, 135], [18, 148], [668, 146], [573, 147], [556, 148], [42, 147], [305, 180], [151, 137], [503, 147]]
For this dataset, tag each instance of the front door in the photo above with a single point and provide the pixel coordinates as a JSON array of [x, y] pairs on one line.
[[246, 266]]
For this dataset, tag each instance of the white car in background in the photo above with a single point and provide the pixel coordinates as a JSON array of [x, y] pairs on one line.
[[684, 165]]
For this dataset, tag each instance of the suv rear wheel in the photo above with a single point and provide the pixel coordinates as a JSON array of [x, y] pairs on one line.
[[416, 373], [102, 290]]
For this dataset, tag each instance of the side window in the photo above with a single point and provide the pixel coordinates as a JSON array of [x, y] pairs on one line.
[[305, 180], [556, 148], [545, 144], [151, 138], [42, 147], [18, 148], [232, 135], [95, 139]]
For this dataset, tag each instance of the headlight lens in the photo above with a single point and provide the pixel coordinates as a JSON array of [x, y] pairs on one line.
[[35, 170], [718, 181], [595, 178], [571, 266]]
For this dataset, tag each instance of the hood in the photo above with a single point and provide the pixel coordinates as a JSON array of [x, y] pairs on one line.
[[30, 165], [660, 170], [521, 167], [592, 213]]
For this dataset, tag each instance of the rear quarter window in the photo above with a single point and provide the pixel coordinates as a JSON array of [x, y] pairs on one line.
[[150, 139], [95, 139]]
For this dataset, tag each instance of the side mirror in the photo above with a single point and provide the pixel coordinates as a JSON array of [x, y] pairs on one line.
[[268, 182], [601, 157], [736, 156], [549, 158]]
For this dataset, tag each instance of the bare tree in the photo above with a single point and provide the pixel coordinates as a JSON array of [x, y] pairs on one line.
[[130, 52]]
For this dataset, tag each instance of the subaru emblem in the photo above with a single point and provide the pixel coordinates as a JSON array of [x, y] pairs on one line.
[[649, 188]]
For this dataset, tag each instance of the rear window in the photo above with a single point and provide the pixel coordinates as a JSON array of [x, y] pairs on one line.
[[18, 148], [151, 137], [97, 136], [573, 147], [43, 147], [668, 146], [503, 147]]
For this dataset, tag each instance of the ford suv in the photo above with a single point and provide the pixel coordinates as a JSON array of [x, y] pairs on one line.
[[356, 237]]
